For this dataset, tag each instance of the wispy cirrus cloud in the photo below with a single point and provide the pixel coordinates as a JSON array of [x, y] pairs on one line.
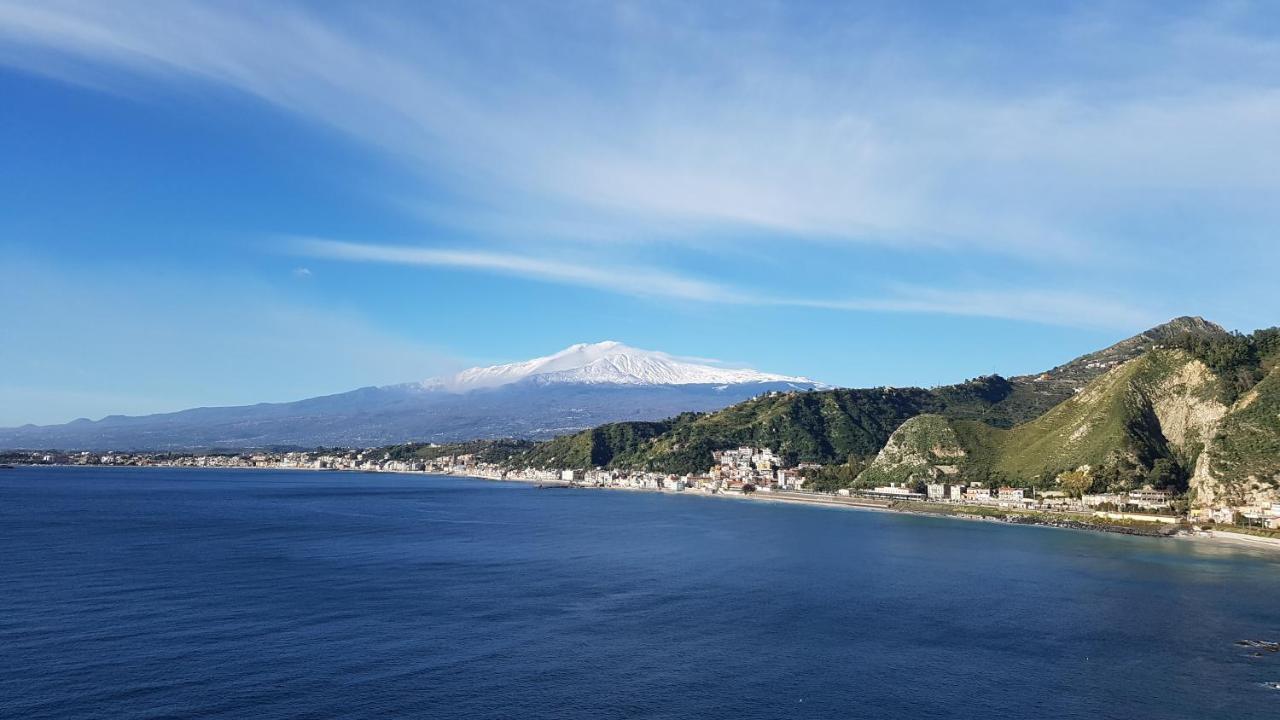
[[656, 121], [1072, 309], [642, 281], [1062, 142], [1062, 308]]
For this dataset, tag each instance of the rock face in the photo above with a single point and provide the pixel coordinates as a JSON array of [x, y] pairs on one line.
[[1160, 409], [922, 449], [1185, 401], [1161, 405], [1240, 464]]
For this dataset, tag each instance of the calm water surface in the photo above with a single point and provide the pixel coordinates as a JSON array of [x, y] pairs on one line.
[[208, 593]]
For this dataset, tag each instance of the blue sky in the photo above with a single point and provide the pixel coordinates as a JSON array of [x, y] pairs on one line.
[[222, 203]]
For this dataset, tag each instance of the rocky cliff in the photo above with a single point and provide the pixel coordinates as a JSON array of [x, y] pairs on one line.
[[1241, 463]]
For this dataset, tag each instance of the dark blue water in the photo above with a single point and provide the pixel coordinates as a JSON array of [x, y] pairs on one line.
[[204, 593]]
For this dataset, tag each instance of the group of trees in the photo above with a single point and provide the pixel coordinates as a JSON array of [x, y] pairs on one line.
[[1240, 360], [1164, 474], [830, 478]]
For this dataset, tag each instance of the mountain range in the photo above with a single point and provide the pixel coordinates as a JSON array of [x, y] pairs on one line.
[[579, 387], [1185, 406]]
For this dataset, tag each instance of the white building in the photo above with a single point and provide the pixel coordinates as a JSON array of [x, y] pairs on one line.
[[1095, 500], [893, 492], [1149, 498], [1011, 497], [789, 479], [977, 494]]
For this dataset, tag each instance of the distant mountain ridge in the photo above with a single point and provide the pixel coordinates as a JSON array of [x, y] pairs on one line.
[[581, 386]]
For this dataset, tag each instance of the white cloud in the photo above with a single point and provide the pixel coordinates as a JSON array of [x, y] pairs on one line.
[[1073, 309], [1055, 308], [673, 124], [629, 280], [667, 126]]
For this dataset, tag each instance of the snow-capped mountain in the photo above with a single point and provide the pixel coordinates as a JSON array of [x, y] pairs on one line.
[[581, 386], [608, 362]]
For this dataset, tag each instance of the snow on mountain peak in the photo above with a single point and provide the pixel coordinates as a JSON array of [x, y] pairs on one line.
[[608, 362]]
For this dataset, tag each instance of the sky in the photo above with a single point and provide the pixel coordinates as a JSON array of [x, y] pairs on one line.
[[224, 203]]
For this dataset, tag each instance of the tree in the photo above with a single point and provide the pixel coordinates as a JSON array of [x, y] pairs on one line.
[[1075, 483], [1164, 473], [748, 488]]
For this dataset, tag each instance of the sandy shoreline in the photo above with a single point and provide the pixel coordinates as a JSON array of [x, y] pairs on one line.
[[1226, 537]]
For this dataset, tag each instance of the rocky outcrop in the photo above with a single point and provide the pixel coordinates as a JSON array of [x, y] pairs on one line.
[[922, 449], [1240, 465], [1186, 403]]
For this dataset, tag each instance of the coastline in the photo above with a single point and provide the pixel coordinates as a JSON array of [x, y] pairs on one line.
[[1220, 538], [1226, 537], [1158, 531], [1216, 537], [837, 502]]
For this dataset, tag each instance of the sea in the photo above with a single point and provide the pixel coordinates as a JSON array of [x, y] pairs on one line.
[[191, 593]]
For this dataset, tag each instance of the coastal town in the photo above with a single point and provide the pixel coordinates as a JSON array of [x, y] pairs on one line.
[[749, 472]]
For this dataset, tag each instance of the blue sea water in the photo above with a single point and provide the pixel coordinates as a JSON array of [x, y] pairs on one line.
[[207, 593]]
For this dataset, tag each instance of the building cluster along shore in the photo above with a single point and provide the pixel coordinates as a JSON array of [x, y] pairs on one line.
[[756, 473]]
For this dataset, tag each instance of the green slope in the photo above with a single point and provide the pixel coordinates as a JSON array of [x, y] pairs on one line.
[[824, 427], [489, 451], [601, 446], [1115, 426], [924, 448], [1243, 458], [817, 426], [1111, 423]]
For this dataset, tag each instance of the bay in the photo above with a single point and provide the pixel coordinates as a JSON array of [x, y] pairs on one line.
[[149, 593]]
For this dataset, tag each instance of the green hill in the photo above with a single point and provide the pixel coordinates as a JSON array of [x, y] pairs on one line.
[[1144, 421], [815, 426], [1120, 425], [1142, 411], [602, 446], [488, 451], [832, 426], [824, 427], [924, 448]]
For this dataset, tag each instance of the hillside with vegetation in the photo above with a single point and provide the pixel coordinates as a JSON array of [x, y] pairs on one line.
[[924, 448], [486, 451], [1159, 406], [813, 427], [1186, 398]]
